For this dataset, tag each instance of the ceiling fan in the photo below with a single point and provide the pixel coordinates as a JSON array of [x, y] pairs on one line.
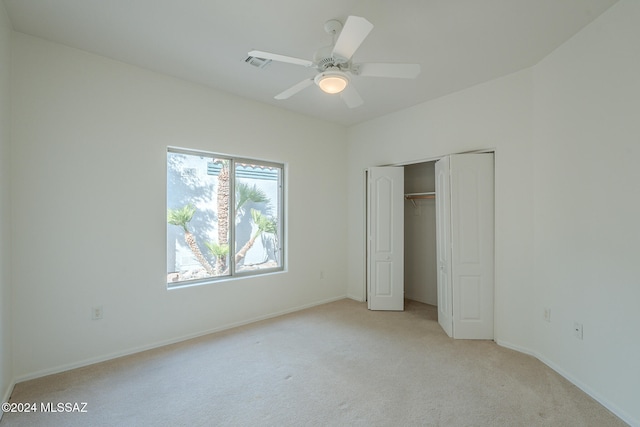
[[334, 64]]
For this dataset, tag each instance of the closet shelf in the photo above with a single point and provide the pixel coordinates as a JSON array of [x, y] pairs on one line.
[[427, 195], [414, 196]]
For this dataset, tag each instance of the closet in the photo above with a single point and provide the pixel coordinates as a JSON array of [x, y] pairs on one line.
[[430, 238], [420, 278]]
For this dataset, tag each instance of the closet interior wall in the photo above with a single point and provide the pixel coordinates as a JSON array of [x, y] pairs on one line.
[[420, 278]]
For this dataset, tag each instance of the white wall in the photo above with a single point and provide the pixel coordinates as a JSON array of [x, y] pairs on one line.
[[6, 372], [567, 139], [587, 207], [89, 155]]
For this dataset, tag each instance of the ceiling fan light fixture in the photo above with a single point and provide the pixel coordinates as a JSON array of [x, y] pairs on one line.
[[332, 81]]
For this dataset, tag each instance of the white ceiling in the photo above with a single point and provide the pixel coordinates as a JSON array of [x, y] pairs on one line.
[[459, 43]]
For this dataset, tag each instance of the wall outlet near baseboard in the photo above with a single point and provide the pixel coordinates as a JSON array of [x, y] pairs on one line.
[[96, 312], [547, 314], [577, 330]]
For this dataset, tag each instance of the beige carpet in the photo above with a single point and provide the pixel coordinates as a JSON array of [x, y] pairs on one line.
[[333, 365]]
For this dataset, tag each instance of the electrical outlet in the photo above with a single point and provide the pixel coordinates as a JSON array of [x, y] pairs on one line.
[[577, 330], [547, 314], [96, 312]]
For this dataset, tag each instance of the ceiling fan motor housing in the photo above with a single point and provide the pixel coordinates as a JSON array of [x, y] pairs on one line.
[[324, 59]]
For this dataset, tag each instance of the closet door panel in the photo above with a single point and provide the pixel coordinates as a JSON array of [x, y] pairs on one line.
[[470, 298], [443, 245], [385, 223], [472, 247], [467, 216]]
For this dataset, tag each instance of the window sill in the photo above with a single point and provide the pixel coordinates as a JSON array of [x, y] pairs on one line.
[[211, 280]]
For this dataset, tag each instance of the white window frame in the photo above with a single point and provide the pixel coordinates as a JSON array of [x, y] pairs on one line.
[[280, 206]]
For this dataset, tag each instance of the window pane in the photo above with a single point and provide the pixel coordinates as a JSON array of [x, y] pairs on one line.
[[197, 210], [258, 217]]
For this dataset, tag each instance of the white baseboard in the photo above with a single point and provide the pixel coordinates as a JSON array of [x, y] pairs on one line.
[[421, 300], [516, 348], [599, 398], [114, 355], [7, 395]]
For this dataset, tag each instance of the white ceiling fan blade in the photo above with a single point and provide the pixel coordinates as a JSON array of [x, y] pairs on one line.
[[280, 58], [294, 89], [355, 30], [351, 97], [378, 69]]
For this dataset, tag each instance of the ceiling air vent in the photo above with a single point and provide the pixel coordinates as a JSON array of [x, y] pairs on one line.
[[257, 62]]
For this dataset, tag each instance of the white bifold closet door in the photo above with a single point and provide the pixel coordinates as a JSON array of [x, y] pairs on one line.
[[385, 238], [465, 244], [443, 245]]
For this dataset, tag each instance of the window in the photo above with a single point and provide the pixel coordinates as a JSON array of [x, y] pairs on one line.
[[224, 217]]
